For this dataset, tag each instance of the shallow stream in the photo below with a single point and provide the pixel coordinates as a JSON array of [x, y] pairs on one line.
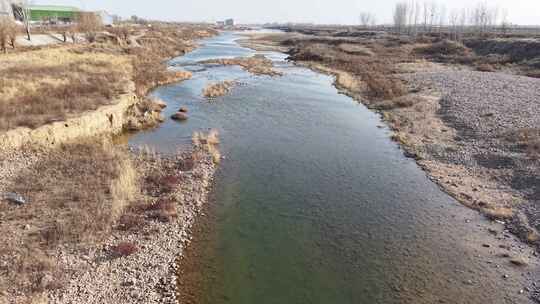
[[314, 203]]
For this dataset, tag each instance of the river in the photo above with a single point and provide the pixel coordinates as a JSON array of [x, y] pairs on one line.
[[315, 204]]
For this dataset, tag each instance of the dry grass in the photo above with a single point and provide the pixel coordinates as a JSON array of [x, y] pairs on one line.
[[38, 86], [214, 90], [208, 142], [376, 72], [41, 86], [74, 196], [258, 64]]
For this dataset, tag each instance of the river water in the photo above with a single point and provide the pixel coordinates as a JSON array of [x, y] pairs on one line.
[[314, 203]]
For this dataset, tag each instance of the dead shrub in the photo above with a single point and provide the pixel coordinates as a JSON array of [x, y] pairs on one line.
[[131, 221], [122, 33], [29, 270], [485, 68], [89, 23], [164, 210], [383, 87], [208, 142], [8, 33], [124, 249]]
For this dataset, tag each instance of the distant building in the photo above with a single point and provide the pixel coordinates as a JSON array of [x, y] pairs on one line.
[[53, 13], [106, 18], [229, 22], [220, 23]]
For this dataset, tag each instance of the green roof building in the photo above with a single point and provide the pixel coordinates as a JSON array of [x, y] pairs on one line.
[[53, 12]]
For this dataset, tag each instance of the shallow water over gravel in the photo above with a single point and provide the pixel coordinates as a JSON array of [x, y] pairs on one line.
[[315, 203]]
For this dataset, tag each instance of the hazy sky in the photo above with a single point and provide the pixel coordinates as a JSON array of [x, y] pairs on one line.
[[258, 11]]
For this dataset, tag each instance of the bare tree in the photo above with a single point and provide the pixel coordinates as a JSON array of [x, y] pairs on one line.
[[425, 15], [433, 14], [22, 13], [462, 23], [400, 16], [417, 10], [442, 18], [453, 20], [367, 19], [89, 24], [505, 25], [410, 17]]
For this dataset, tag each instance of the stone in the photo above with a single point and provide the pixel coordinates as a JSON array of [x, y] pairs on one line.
[[180, 116], [183, 110], [14, 198], [521, 262]]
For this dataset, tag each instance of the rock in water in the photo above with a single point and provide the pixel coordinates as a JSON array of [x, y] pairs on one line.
[[159, 103], [183, 110], [14, 198], [180, 116], [521, 262]]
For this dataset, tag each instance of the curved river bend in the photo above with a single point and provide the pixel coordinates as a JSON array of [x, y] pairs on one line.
[[314, 202]]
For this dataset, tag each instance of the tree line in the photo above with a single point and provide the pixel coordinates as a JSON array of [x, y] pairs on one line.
[[416, 17]]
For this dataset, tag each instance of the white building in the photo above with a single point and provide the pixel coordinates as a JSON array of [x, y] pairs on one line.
[[105, 17]]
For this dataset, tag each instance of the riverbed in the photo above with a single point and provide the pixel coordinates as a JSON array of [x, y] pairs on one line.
[[314, 203]]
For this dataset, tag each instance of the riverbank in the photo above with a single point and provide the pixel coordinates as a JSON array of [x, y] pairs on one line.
[[87, 220], [456, 122]]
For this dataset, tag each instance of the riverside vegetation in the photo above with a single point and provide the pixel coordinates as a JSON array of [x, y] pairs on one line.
[[89, 201]]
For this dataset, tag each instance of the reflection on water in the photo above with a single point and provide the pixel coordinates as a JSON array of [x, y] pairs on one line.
[[314, 203]]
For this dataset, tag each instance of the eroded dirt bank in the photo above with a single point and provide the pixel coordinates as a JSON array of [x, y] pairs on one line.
[[473, 132]]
